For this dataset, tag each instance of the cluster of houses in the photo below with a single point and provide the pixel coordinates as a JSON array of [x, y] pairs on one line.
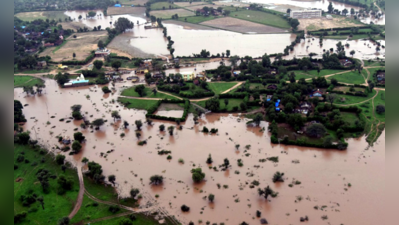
[[102, 52]]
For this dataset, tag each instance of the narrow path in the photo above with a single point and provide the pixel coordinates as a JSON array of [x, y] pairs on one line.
[[140, 98], [80, 195], [372, 98], [232, 88], [109, 217], [200, 107], [346, 71], [169, 94]]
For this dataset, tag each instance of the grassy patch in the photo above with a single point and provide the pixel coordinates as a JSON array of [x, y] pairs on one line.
[[196, 19], [59, 46], [30, 16], [373, 63], [140, 220], [163, 5], [148, 94], [313, 73], [55, 206], [261, 17], [220, 87], [350, 118], [380, 100], [20, 81], [349, 99], [137, 103], [349, 78], [90, 211]]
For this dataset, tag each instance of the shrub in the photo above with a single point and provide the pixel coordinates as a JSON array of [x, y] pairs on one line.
[[156, 179], [197, 175], [113, 209], [211, 197], [19, 217]]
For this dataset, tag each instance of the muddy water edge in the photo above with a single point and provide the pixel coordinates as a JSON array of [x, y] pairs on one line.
[[324, 174]]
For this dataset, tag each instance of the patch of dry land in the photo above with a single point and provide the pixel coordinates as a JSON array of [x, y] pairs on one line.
[[121, 46], [82, 45], [133, 2], [72, 25], [30, 16], [136, 11], [188, 26], [324, 23], [242, 26], [166, 14]]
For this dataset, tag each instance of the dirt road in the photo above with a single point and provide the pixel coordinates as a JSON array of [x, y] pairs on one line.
[[80, 195]]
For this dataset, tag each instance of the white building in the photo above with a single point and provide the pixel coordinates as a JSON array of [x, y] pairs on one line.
[[304, 14]]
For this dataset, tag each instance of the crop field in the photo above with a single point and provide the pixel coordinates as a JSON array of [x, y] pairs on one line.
[[167, 14], [30, 16], [261, 17], [242, 26]]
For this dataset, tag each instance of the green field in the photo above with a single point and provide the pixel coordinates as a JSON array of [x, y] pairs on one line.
[[232, 103], [349, 99], [380, 100], [261, 17], [373, 63], [148, 94], [196, 19], [30, 16], [55, 206], [161, 5], [349, 78], [350, 118], [20, 81], [138, 103], [313, 73], [218, 88], [90, 212]]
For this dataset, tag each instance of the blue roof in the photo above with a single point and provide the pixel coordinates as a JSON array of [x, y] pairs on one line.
[[278, 100], [278, 109], [42, 32], [79, 81], [118, 5], [23, 27], [27, 33], [268, 99], [277, 103]]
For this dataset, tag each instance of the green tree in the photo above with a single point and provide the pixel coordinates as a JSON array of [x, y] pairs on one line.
[[79, 137], [227, 53], [76, 146], [62, 78], [170, 129], [226, 102], [139, 124], [91, 14], [106, 89], [125, 124], [156, 179], [331, 98], [266, 192], [112, 178], [330, 8], [258, 118], [100, 44], [327, 141], [64, 182], [278, 177], [85, 160], [64, 220], [115, 115], [116, 65], [122, 24], [380, 109], [197, 174], [60, 159], [98, 64], [294, 23], [211, 197], [226, 163], [209, 159], [352, 53], [213, 104], [134, 192], [161, 127], [98, 123], [316, 130], [74, 55]]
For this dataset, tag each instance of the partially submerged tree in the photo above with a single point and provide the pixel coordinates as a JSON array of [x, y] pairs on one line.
[[139, 124], [258, 118], [209, 159], [98, 123], [161, 127], [197, 174], [112, 178], [79, 137], [278, 177], [115, 115], [266, 192], [76, 146], [134, 192], [170, 129], [125, 124], [211, 197], [156, 179]]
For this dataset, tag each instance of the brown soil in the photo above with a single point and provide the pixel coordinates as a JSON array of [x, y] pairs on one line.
[[242, 26], [72, 25], [136, 11], [188, 26], [169, 106], [324, 23], [121, 45], [82, 45], [19, 179]]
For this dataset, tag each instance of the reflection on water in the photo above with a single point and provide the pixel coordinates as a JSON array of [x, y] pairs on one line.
[[324, 174]]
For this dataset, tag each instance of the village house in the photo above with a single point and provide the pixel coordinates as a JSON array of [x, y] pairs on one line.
[[345, 62], [317, 93], [304, 108], [102, 52], [48, 44], [269, 97], [272, 87], [60, 66], [273, 71], [157, 74], [381, 77], [200, 76], [146, 63], [187, 76], [79, 81], [41, 64], [141, 70], [236, 73]]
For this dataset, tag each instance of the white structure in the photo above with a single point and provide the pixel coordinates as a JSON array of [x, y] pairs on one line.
[[329, 17], [304, 14]]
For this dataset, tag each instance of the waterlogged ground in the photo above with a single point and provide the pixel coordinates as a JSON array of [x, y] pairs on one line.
[[324, 174]]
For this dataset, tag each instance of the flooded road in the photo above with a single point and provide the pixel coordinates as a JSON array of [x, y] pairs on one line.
[[324, 174]]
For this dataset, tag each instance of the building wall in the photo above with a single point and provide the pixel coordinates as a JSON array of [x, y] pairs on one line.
[[305, 14]]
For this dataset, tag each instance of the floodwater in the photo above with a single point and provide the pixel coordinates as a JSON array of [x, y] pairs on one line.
[[324, 174], [170, 113], [320, 4]]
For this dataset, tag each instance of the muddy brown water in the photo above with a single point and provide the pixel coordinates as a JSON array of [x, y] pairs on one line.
[[324, 174], [321, 4]]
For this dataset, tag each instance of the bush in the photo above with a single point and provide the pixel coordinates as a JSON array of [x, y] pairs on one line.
[[106, 89], [185, 208], [125, 221], [197, 175], [19, 217], [113, 209], [380, 109]]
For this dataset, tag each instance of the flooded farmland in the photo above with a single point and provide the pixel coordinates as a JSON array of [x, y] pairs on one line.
[[324, 175], [283, 5]]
